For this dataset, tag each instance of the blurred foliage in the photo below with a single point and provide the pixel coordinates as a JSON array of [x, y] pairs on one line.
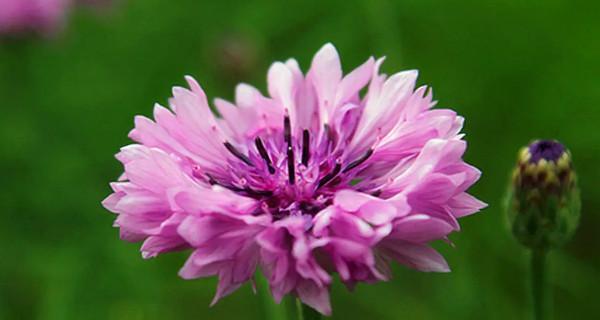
[[516, 70]]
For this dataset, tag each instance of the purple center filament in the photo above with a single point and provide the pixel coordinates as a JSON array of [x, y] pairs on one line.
[[263, 167]]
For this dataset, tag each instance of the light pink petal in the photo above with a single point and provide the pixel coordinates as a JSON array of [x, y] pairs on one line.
[[326, 73], [374, 210], [281, 85], [417, 256], [199, 230], [322, 220], [112, 200], [354, 81], [140, 203], [132, 152], [437, 188], [465, 204], [436, 155], [382, 111], [146, 225], [155, 245], [261, 113], [198, 200], [156, 173], [420, 228]]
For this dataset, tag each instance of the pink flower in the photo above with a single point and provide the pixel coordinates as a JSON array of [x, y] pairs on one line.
[[311, 180], [39, 16], [45, 17]]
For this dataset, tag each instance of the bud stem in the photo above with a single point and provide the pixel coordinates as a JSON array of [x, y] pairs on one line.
[[541, 296], [305, 312]]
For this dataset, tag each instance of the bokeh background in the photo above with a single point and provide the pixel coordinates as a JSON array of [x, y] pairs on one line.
[[517, 70]]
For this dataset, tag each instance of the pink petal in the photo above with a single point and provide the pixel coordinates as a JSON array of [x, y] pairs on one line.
[[155, 245], [198, 200], [281, 85], [420, 228], [374, 210], [417, 256], [314, 296], [326, 73], [465, 204], [111, 201], [354, 81]]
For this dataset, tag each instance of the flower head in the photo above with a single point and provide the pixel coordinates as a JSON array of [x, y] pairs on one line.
[[38, 16], [43, 17], [311, 180], [543, 199]]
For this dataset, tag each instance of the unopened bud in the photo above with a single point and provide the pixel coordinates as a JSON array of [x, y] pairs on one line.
[[543, 203]]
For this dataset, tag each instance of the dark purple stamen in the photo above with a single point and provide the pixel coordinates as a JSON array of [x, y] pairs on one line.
[[290, 163], [330, 134], [247, 190], [258, 193], [308, 208], [287, 136], [549, 150], [264, 154], [237, 153], [330, 175], [211, 180], [305, 147], [287, 130], [358, 161]]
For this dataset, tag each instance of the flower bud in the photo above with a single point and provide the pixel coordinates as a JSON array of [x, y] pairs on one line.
[[543, 204]]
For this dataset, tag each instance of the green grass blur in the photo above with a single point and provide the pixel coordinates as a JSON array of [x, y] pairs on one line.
[[516, 70]]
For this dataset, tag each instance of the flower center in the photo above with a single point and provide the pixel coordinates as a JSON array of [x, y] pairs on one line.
[[286, 184]]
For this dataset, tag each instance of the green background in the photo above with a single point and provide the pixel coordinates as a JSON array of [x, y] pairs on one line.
[[516, 70]]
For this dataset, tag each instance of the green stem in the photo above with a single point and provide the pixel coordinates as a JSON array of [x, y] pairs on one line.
[[305, 312], [541, 297], [272, 310]]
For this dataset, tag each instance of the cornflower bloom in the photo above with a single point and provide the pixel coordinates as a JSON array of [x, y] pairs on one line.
[[311, 180]]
